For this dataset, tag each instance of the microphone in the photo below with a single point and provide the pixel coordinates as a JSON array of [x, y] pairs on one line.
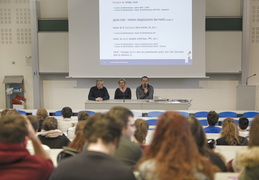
[[145, 85], [249, 77]]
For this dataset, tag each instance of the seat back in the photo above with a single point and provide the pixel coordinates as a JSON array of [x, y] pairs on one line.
[[152, 122], [58, 113], [203, 122], [227, 114], [250, 114], [185, 114], [90, 112], [154, 113], [21, 112], [201, 114]]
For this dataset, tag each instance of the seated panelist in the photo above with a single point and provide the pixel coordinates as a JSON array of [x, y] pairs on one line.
[[145, 90], [122, 92], [98, 92]]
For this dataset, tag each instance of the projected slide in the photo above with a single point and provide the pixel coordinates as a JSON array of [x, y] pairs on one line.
[[152, 32]]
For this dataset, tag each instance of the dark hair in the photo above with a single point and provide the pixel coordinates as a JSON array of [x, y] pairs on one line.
[[50, 123], [121, 113], [243, 123], [13, 129], [102, 126], [82, 115], [67, 112], [144, 77], [34, 122], [212, 118], [254, 132]]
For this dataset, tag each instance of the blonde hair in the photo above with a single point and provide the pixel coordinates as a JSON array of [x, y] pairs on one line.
[[122, 80], [230, 131]]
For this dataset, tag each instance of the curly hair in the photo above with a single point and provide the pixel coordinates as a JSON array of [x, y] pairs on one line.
[[230, 131], [141, 130], [174, 151]]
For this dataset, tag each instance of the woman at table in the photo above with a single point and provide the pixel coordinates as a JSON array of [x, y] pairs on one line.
[[122, 92]]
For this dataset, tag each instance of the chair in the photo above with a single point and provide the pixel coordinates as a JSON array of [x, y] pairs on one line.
[[152, 122], [21, 112], [201, 114], [58, 113], [90, 112], [203, 122], [185, 114], [250, 114], [227, 114], [154, 113]]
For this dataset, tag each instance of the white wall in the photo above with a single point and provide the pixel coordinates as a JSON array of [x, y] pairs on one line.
[[217, 92]]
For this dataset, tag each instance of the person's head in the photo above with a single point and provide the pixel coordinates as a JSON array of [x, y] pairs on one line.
[[141, 130], [103, 128], [50, 123], [198, 134], [243, 123], [230, 131], [174, 151], [3, 112], [99, 83], [125, 116], [254, 132], [12, 112], [67, 112], [212, 118], [79, 140], [82, 115], [42, 114], [122, 83], [144, 80], [34, 122], [13, 129]]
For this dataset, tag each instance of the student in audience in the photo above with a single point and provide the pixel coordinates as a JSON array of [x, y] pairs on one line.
[[51, 136], [123, 92], [141, 131], [173, 153], [3, 112], [12, 112], [212, 119], [202, 144], [102, 133], [98, 92], [127, 152], [15, 160], [229, 134], [66, 122], [41, 115], [35, 124], [145, 90], [82, 115], [76, 145], [243, 123], [249, 158]]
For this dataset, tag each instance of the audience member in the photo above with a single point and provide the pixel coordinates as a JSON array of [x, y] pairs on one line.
[[102, 133], [202, 144], [15, 160], [66, 122], [229, 134], [127, 152], [76, 145], [35, 124], [82, 115], [41, 115], [122, 92], [141, 131], [12, 112], [145, 90], [98, 92], [212, 119], [3, 112], [173, 153], [249, 158], [243, 123], [51, 136]]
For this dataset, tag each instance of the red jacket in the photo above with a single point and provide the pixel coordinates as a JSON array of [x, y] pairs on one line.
[[17, 163]]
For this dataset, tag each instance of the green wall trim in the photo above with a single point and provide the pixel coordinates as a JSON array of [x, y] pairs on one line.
[[52, 25], [212, 24]]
